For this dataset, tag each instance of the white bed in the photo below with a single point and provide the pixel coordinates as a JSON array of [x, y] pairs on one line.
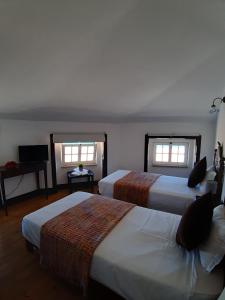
[[139, 259], [168, 193]]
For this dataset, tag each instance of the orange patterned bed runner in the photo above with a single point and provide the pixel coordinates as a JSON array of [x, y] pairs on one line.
[[134, 187], [69, 240]]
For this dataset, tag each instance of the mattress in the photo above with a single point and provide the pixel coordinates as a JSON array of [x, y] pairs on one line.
[[168, 193], [139, 259]]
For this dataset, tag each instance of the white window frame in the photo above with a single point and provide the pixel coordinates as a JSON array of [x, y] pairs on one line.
[[73, 164], [170, 163]]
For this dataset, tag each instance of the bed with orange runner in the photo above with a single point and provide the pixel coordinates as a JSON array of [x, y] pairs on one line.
[[68, 241], [161, 192], [134, 187], [137, 257]]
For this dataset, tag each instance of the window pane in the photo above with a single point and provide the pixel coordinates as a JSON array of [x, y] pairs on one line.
[[158, 157], [74, 157], [174, 158], [165, 148], [181, 158], [67, 150], [158, 148], [67, 158], [91, 149], [83, 157], [181, 149], [84, 149], [74, 150], [175, 149], [165, 157], [90, 157]]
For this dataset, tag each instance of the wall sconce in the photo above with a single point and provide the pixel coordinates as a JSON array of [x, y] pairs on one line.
[[213, 107]]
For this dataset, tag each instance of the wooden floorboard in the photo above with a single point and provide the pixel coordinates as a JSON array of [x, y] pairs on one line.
[[21, 276]]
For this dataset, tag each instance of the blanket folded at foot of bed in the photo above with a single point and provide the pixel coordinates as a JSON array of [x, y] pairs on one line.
[[134, 187], [68, 241]]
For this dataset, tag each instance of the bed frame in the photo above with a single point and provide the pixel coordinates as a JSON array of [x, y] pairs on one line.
[[218, 166]]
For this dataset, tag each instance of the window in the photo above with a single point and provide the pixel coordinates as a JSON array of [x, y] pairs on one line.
[[77, 153], [170, 154]]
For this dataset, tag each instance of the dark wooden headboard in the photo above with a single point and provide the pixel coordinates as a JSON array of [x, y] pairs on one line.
[[219, 164]]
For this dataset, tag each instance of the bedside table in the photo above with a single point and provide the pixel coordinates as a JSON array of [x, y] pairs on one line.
[[71, 175]]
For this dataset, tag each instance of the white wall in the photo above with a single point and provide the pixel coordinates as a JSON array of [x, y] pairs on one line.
[[220, 135], [125, 143], [14, 133], [132, 147]]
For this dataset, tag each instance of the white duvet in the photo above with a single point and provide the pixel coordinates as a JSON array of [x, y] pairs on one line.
[[139, 259], [168, 193]]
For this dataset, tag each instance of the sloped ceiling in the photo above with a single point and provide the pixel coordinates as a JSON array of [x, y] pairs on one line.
[[111, 60]]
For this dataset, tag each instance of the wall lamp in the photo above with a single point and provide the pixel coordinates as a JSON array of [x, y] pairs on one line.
[[213, 107]]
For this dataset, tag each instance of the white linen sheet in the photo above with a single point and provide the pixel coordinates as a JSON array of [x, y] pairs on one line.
[[168, 193], [139, 259]]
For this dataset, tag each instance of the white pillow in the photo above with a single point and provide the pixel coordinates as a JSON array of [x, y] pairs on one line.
[[210, 168], [209, 184], [210, 175], [213, 250]]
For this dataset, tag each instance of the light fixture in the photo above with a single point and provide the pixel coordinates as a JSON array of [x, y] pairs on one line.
[[213, 107]]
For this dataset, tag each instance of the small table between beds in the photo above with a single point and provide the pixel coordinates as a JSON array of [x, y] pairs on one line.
[[71, 176]]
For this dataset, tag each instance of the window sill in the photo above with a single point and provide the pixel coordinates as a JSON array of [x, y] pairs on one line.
[[75, 166], [170, 166]]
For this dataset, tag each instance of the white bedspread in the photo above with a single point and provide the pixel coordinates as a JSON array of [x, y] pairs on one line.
[[168, 193], [139, 259]]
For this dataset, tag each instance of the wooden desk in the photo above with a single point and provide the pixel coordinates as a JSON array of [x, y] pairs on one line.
[[22, 169]]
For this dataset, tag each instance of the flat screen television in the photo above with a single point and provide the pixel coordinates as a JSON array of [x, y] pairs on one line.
[[34, 153]]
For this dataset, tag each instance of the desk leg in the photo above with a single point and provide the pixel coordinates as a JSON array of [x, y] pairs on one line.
[[70, 185], [46, 182], [91, 183], [37, 180], [4, 197]]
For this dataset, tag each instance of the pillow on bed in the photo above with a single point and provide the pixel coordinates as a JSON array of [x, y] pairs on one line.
[[198, 173], [213, 250], [195, 224]]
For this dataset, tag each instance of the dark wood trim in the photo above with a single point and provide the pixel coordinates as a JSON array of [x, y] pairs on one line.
[[53, 162], [146, 153], [198, 147], [197, 138], [105, 158], [188, 137], [219, 173]]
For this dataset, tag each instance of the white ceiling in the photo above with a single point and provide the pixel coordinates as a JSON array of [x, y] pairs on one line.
[[110, 60]]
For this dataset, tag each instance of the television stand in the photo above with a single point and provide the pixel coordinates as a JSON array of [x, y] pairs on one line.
[[21, 169]]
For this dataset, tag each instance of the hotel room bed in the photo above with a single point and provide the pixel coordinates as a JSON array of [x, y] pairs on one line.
[[139, 258], [168, 193]]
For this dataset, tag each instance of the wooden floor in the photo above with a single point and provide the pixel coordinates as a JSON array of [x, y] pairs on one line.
[[21, 276]]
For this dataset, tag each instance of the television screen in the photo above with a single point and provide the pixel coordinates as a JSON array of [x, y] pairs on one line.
[[34, 153]]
